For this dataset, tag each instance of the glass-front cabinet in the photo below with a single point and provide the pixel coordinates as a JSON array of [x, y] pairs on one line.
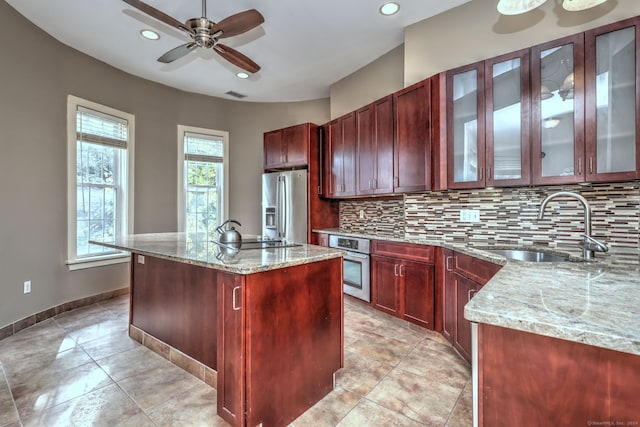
[[488, 123], [557, 111], [507, 120], [465, 127], [612, 100]]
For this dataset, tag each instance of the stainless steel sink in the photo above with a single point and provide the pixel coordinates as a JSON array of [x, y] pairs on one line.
[[530, 255]]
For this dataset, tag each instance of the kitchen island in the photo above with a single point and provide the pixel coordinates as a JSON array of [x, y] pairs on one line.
[[269, 321]]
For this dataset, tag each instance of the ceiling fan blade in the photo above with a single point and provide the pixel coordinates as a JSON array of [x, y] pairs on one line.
[[177, 53], [238, 23], [236, 58], [160, 16]]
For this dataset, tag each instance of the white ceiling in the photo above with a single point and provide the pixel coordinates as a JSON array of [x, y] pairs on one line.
[[303, 47]]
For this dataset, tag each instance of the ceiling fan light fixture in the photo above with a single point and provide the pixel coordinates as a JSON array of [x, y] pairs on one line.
[[516, 7], [390, 8], [578, 5], [242, 75], [149, 34]]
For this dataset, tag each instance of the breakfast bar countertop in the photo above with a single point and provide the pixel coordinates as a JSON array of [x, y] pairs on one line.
[[595, 303], [204, 252]]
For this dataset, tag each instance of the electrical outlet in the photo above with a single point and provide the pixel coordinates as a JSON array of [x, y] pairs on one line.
[[27, 287], [361, 214], [469, 215], [140, 259]]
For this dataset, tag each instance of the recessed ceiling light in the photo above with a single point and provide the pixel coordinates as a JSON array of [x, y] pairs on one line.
[[149, 34], [242, 75], [389, 8]]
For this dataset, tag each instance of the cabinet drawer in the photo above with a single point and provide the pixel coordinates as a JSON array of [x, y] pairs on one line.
[[475, 269], [403, 250]]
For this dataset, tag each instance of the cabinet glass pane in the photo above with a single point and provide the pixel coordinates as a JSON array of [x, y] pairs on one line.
[[615, 101], [465, 126], [507, 123], [557, 110]]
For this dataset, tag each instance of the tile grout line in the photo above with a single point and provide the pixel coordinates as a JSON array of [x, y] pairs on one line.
[[453, 408]]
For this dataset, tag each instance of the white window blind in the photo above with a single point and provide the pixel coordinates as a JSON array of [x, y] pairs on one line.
[[100, 128]]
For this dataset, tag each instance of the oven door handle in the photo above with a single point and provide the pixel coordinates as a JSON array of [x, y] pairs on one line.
[[352, 255]]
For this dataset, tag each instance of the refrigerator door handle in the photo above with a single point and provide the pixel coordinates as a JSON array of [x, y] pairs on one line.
[[278, 207], [283, 206]]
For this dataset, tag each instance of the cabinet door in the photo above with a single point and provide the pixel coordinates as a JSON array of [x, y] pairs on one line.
[[385, 287], [557, 111], [366, 150], [296, 141], [507, 120], [231, 348], [342, 148], [383, 135], [449, 296], [418, 280], [273, 149], [465, 289], [334, 157], [612, 101], [349, 154], [412, 144], [466, 127]]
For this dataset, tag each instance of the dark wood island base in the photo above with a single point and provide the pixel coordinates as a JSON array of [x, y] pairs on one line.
[[274, 337]]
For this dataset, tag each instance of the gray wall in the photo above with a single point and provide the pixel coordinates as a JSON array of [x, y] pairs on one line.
[[373, 81], [36, 75]]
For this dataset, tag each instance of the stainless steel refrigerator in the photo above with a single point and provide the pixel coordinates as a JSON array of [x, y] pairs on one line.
[[284, 205]]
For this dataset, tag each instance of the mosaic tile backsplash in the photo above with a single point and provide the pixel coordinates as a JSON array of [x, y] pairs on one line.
[[508, 216]]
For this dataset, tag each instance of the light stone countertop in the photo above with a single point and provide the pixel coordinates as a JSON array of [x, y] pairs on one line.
[[203, 252], [595, 303]]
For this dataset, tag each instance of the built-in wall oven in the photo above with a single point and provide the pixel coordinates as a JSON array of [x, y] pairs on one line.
[[356, 265]]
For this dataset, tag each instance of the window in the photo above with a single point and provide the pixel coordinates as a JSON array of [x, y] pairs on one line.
[[202, 181], [100, 181]]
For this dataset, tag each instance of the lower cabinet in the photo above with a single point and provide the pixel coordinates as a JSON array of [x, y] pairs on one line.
[[464, 290], [464, 276], [403, 287]]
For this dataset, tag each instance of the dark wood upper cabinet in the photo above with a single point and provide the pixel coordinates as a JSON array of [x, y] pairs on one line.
[[412, 144], [342, 156], [465, 127], [375, 147], [612, 99], [507, 116], [557, 111], [288, 147]]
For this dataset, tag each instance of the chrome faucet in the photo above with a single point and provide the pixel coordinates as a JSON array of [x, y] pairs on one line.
[[589, 244]]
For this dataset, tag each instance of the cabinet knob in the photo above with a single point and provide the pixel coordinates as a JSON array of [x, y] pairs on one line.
[[448, 266]]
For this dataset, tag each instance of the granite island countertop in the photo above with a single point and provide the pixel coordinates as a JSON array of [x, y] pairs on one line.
[[183, 248], [595, 303]]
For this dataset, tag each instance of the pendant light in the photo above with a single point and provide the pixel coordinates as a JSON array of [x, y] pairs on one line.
[[578, 5], [516, 7]]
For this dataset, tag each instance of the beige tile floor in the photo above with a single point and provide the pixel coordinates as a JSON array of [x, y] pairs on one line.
[[81, 369]]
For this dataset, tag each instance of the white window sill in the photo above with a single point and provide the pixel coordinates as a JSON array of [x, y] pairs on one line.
[[98, 261]]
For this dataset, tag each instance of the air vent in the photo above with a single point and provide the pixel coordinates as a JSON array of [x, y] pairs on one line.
[[236, 94]]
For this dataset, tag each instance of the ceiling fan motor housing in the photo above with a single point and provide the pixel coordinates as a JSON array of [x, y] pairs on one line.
[[202, 31]]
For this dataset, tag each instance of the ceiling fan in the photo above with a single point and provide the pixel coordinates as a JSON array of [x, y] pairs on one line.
[[205, 33]]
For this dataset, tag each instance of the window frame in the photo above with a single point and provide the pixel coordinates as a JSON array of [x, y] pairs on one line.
[[182, 130], [73, 262]]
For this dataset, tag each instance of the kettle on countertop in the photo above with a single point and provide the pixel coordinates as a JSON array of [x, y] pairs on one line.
[[229, 234]]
